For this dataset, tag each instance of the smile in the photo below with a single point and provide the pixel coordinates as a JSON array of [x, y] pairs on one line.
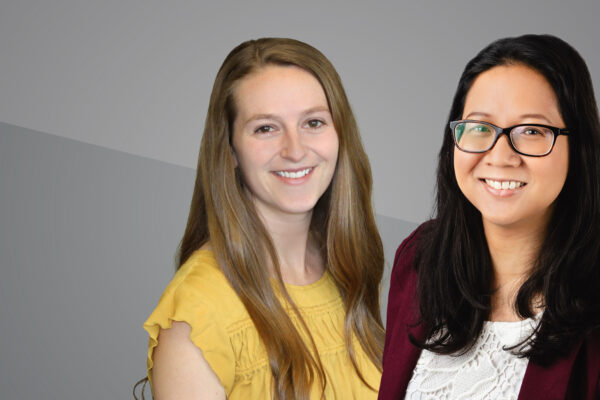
[[504, 185], [294, 174]]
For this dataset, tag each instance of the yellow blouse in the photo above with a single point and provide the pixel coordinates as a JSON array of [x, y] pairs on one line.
[[200, 295]]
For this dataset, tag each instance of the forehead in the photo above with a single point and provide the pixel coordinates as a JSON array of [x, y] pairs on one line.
[[508, 91], [275, 89]]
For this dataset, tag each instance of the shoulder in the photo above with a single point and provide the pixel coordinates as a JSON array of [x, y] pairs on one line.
[[201, 270], [200, 298], [195, 291], [400, 355], [403, 280], [405, 254], [200, 295], [200, 281], [402, 298]]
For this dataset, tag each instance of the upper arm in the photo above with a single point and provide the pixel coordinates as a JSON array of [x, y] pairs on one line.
[[402, 288], [180, 370], [401, 269]]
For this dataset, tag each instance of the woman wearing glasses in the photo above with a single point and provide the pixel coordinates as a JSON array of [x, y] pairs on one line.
[[276, 295], [499, 295]]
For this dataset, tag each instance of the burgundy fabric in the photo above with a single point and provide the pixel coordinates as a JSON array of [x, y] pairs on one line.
[[576, 376], [400, 355]]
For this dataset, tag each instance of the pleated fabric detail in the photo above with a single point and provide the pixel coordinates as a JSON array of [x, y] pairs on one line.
[[221, 328]]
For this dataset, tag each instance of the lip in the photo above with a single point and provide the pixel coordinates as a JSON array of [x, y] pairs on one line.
[[294, 181], [502, 192]]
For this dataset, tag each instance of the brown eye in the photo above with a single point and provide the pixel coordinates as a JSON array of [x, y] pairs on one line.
[[531, 131], [315, 123], [264, 129]]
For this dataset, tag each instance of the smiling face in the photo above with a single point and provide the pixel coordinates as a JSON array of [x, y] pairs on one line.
[[510, 189], [284, 140]]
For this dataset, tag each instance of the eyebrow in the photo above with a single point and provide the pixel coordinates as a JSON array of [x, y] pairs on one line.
[[316, 109], [522, 116], [275, 117], [477, 113], [537, 116], [260, 116]]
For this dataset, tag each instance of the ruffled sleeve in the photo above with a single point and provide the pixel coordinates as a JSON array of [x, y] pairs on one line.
[[183, 300]]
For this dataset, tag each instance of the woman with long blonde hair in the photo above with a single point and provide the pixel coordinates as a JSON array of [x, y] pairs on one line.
[[277, 290]]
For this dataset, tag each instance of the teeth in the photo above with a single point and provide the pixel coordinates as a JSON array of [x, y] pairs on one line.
[[504, 185], [294, 175]]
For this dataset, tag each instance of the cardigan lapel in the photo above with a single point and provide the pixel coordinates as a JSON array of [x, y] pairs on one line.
[[548, 382]]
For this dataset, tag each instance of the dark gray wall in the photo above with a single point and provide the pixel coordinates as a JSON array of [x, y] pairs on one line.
[[87, 239]]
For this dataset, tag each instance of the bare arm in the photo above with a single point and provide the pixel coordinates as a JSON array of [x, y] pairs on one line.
[[180, 370]]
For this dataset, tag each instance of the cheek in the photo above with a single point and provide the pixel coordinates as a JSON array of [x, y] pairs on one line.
[[334, 148], [553, 174], [553, 168], [562, 163], [330, 145], [251, 153], [325, 146], [464, 164]]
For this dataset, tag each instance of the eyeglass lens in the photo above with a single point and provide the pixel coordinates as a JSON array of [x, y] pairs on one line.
[[477, 137]]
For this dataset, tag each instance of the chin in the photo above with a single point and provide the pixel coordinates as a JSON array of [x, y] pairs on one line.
[[298, 209], [509, 221], [299, 205], [500, 222]]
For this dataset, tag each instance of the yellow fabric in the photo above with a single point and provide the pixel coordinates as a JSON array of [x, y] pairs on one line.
[[200, 295]]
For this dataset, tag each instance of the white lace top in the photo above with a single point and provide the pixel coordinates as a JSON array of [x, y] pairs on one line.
[[484, 372]]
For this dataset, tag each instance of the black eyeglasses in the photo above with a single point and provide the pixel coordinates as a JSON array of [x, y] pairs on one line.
[[533, 140]]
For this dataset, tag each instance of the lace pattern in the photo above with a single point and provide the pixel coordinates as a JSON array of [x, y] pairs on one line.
[[486, 371]]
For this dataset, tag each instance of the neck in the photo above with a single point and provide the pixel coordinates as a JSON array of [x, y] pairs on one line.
[[299, 259], [513, 251]]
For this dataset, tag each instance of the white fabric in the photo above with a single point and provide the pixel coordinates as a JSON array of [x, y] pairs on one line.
[[487, 371]]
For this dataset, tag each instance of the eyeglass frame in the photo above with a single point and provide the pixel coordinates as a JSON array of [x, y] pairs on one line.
[[499, 131]]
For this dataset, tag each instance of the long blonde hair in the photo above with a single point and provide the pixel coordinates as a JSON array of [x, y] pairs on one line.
[[342, 225]]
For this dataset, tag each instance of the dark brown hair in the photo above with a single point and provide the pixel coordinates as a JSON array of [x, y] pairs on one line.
[[454, 264]]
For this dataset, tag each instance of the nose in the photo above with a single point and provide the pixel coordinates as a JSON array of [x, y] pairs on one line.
[[293, 147], [502, 154]]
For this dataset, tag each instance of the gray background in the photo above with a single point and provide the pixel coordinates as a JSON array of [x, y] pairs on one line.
[[101, 111]]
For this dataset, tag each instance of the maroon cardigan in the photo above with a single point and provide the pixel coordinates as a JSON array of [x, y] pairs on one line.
[[577, 376]]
